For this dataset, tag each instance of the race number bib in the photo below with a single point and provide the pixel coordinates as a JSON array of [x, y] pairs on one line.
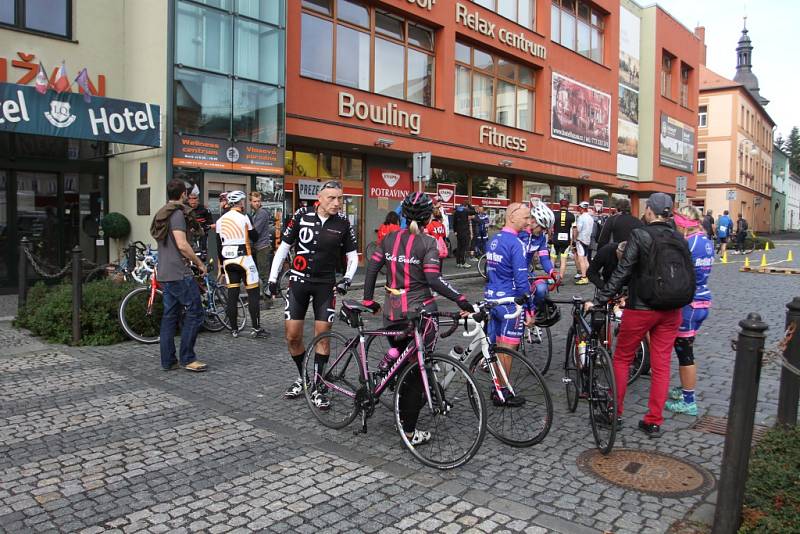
[[230, 252], [562, 236]]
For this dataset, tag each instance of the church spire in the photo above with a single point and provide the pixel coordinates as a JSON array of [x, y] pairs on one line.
[[744, 66]]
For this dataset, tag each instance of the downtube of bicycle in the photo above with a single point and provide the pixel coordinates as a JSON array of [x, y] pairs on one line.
[[422, 373]]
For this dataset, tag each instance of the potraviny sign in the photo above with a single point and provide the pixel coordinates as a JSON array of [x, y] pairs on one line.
[[24, 110]]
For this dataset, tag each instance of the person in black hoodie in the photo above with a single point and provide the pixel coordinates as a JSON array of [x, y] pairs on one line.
[[618, 228]]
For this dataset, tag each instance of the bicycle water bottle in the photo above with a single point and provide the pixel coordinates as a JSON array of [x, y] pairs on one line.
[[457, 352], [389, 359], [582, 352]]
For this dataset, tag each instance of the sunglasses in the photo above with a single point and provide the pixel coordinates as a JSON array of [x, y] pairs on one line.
[[331, 184]]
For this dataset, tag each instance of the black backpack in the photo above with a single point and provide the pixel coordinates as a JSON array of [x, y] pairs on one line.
[[667, 279]]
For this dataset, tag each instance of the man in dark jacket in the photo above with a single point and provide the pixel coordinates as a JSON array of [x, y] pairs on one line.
[[708, 225], [618, 227], [605, 263], [639, 318], [462, 226], [264, 225]]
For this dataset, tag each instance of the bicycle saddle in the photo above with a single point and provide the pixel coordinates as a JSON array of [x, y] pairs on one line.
[[355, 306]]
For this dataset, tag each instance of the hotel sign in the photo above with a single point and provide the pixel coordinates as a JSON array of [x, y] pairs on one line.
[[24, 110], [476, 23]]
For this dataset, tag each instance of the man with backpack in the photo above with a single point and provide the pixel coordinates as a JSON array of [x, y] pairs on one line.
[[741, 233], [657, 267]]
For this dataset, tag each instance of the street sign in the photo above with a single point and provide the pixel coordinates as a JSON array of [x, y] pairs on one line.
[[730, 194], [422, 166], [680, 183], [680, 197]]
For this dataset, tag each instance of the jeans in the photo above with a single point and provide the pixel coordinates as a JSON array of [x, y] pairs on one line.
[[179, 296], [663, 327]]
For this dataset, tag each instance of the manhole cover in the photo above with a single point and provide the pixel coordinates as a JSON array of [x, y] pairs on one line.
[[649, 472]]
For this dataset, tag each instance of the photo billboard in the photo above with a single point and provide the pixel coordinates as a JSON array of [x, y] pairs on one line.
[[676, 144], [580, 114]]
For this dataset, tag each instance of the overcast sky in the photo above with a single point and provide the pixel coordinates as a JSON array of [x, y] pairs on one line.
[[774, 29]]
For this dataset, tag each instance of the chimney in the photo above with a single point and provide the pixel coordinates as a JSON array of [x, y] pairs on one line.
[[700, 32]]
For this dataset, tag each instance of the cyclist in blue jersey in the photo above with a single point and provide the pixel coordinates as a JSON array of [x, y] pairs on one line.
[[534, 240], [688, 221], [507, 276]]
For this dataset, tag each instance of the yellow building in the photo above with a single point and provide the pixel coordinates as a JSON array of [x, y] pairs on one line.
[[734, 170]]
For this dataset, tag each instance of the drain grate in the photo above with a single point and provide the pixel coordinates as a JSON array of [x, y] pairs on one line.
[[650, 472], [719, 425]]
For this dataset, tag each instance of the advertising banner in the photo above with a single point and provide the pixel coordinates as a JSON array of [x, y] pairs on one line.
[[677, 144], [24, 110], [628, 121], [580, 114], [389, 183], [220, 154]]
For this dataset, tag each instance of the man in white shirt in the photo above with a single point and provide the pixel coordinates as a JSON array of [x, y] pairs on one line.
[[583, 241]]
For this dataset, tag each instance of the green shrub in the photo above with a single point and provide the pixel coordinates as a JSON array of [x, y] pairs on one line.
[[48, 312], [116, 226], [772, 496]]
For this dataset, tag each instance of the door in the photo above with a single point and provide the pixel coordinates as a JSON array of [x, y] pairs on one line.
[[216, 183], [37, 215]]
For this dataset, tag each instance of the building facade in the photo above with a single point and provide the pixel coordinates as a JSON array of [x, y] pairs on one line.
[[793, 202], [780, 178]]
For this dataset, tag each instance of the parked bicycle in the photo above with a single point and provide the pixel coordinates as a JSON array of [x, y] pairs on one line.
[[455, 415], [589, 372], [537, 341], [141, 310]]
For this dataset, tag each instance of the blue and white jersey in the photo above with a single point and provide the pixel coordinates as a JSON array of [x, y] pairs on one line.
[[536, 246], [702, 250], [724, 226], [506, 266]]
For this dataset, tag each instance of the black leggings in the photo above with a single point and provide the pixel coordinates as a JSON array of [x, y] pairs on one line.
[[463, 247], [236, 275]]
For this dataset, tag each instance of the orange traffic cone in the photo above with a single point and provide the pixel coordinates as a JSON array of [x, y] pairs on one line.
[[763, 260], [747, 262]]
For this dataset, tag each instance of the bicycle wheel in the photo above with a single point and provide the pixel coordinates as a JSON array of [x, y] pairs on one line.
[[572, 377], [343, 380], [212, 314], [482, 266], [220, 296], [518, 426], [283, 283], [140, 322], [602, 400], [537, 346], [376, 348], [457, 419]]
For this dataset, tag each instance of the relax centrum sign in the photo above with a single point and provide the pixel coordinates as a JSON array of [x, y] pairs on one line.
[[24, 110], [476, 23]]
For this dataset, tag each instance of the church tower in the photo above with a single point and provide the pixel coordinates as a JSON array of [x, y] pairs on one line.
[[744, 66]]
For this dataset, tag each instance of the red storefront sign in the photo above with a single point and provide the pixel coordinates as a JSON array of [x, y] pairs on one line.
[[447, 192], [488, 202], [389, 183]]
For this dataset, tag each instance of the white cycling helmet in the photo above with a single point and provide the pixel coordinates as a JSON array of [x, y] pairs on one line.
[[234, 197], [542, 215]]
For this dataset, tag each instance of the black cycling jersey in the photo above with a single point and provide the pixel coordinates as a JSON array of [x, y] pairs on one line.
[[562, 229], [319, 247], [413, 269]]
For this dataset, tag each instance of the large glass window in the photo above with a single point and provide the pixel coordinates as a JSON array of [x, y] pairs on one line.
[[263, 10], [203, 38], [579, 26], [536, 188], [523, 12], [332, 165], [257, 46], [202, 103], [489, 186], [494, 89], [257, 110], [46, 16], [360, 46]]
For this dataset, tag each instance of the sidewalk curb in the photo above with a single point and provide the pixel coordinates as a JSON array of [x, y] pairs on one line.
[[454, 276]]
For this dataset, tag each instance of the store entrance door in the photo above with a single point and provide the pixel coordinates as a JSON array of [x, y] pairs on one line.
[[216, 183]]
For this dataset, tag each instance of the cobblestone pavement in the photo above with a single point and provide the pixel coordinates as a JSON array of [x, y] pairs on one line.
[[100, 439]]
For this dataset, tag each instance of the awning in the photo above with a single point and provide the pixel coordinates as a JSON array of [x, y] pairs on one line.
[[24, 110]]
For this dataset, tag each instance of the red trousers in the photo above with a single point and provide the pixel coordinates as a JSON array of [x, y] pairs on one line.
[[663, 328]]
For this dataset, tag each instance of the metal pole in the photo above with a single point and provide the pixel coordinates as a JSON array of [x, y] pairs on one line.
[[77, 295], [741, 414], [22, 273], [789, 393]]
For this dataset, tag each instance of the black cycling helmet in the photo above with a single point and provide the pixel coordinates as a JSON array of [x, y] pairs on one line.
[[418, 207], [547, 314]]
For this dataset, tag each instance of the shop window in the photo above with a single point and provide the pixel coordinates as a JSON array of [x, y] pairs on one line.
[[449, 176], [202, 103], [203, 38], [327, 165], [330, 165], [370, 49], [702, 117], [568, 192], [578, 26], [523, 12], [305, 163], [492, 88], [353, 168], [701, 162], [257, 46], [536, 188], [684, 95], [52, 17], [489, 186], [666, 74], [256, 112]]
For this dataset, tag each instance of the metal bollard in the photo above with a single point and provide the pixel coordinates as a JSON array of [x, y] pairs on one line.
[[22, 273], [741, 415], [789, 393], [77, 294]]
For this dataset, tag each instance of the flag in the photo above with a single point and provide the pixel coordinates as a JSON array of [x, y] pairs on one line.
[[61, 82], [83, 82], [42, 83]]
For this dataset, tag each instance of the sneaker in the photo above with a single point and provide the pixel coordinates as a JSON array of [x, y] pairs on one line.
[[234, 334], [259, 333], [680, 406], [196, 366], [651, 429], [512, 401], [582, 282], [420, 437], [172, 367], [578, 276], [467, 266], [295, 390], [676, 393], [320, 400]]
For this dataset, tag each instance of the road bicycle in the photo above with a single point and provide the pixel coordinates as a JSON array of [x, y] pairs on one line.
[[641, 358], [537, 341], [454, 415], [141, 310], [589, 372]]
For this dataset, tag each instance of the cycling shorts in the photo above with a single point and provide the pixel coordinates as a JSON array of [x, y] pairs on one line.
[[301, 294], [502, 330], [582, 249], [561, 247], [723, 239], [691, 320], [241, 269]]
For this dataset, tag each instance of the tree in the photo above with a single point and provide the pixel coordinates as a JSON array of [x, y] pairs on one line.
[[792, 146]]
